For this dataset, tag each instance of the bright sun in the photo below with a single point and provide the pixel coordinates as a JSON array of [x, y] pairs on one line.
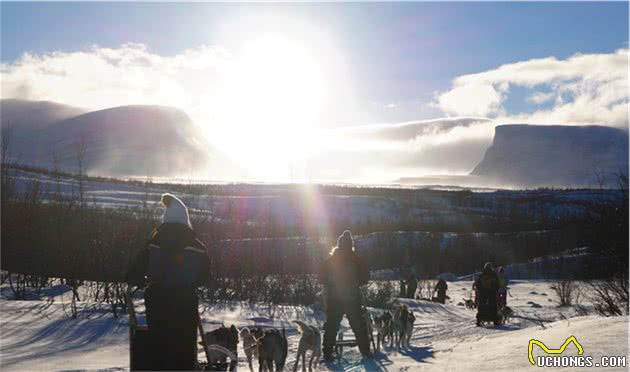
[[272, 96]]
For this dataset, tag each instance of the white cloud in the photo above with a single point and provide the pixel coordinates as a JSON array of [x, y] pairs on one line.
[[542, 97], [384, 152], [471, 99], [586, 89], [106, 77]]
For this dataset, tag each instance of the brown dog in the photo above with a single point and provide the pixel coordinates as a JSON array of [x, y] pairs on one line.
[[250, 346], [272, 349], [411, 319], [383, 325], [399, 325], [311, 340]]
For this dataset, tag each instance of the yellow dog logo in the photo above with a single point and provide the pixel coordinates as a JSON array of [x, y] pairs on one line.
[[547, 350]]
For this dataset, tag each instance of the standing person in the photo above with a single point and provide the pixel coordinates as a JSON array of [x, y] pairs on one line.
[[403, 287], [474, 289], [441, 288], [412, 286], [173, 263], [487, 285], [342, 274], [502, 290]]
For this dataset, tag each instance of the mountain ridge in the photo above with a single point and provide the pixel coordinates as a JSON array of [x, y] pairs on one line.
[[132, 140]]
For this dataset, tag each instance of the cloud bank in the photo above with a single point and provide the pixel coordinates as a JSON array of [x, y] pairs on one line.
[[581, 89]]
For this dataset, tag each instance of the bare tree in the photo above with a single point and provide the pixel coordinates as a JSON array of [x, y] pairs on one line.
[[81, 151], [600, 179], [7, 136], [7, 186]]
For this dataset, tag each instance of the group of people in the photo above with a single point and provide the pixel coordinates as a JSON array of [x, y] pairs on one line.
[[174, 263], [409, 287], [490, 293]]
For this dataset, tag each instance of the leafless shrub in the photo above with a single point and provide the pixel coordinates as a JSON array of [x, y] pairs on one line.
[[25, 286], [567, 291], [610, 296]]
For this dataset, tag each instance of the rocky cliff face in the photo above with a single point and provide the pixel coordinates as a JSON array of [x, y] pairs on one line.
[[555, 155]]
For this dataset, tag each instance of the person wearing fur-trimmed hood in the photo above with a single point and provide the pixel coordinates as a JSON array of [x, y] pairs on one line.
[[173, 263], [342, 274]]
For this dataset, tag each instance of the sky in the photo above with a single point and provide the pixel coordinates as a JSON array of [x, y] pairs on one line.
[[381, 90]]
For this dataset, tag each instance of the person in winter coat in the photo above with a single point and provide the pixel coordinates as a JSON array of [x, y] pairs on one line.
[[412, 286], [173, 263], [487, 285], [342, 274], [403, 287], [441, 288], [502, 290]]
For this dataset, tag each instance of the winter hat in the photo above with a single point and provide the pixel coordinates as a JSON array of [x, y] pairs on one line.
[[345, 241], [488, 266], [176, 211]]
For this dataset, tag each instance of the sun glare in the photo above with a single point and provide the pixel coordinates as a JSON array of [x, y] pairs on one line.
[[272, 97]]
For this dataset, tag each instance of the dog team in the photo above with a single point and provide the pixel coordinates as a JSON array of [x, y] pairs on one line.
[[270, 347]]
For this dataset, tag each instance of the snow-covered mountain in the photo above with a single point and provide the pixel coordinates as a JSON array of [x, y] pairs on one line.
[[555, 155], [135, 140]]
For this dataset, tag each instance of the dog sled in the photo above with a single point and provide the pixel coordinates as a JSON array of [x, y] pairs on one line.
[[341, 342], [140, 352]]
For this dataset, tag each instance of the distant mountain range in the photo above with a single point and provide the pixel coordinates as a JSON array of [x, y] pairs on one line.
[[134, 140], [159, 141], [555, 155]]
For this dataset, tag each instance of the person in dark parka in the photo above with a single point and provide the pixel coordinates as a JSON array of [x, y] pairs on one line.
[[342, 274], [173, 263], [412, 286], [486, 286], [441, 288]]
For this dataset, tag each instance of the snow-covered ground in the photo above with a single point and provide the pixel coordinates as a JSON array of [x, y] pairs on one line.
[[40, 335]]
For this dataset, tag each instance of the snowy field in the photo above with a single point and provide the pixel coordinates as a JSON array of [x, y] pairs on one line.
[[39, 335]]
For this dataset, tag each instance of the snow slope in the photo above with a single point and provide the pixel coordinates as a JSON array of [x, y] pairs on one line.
[[39, 335]]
